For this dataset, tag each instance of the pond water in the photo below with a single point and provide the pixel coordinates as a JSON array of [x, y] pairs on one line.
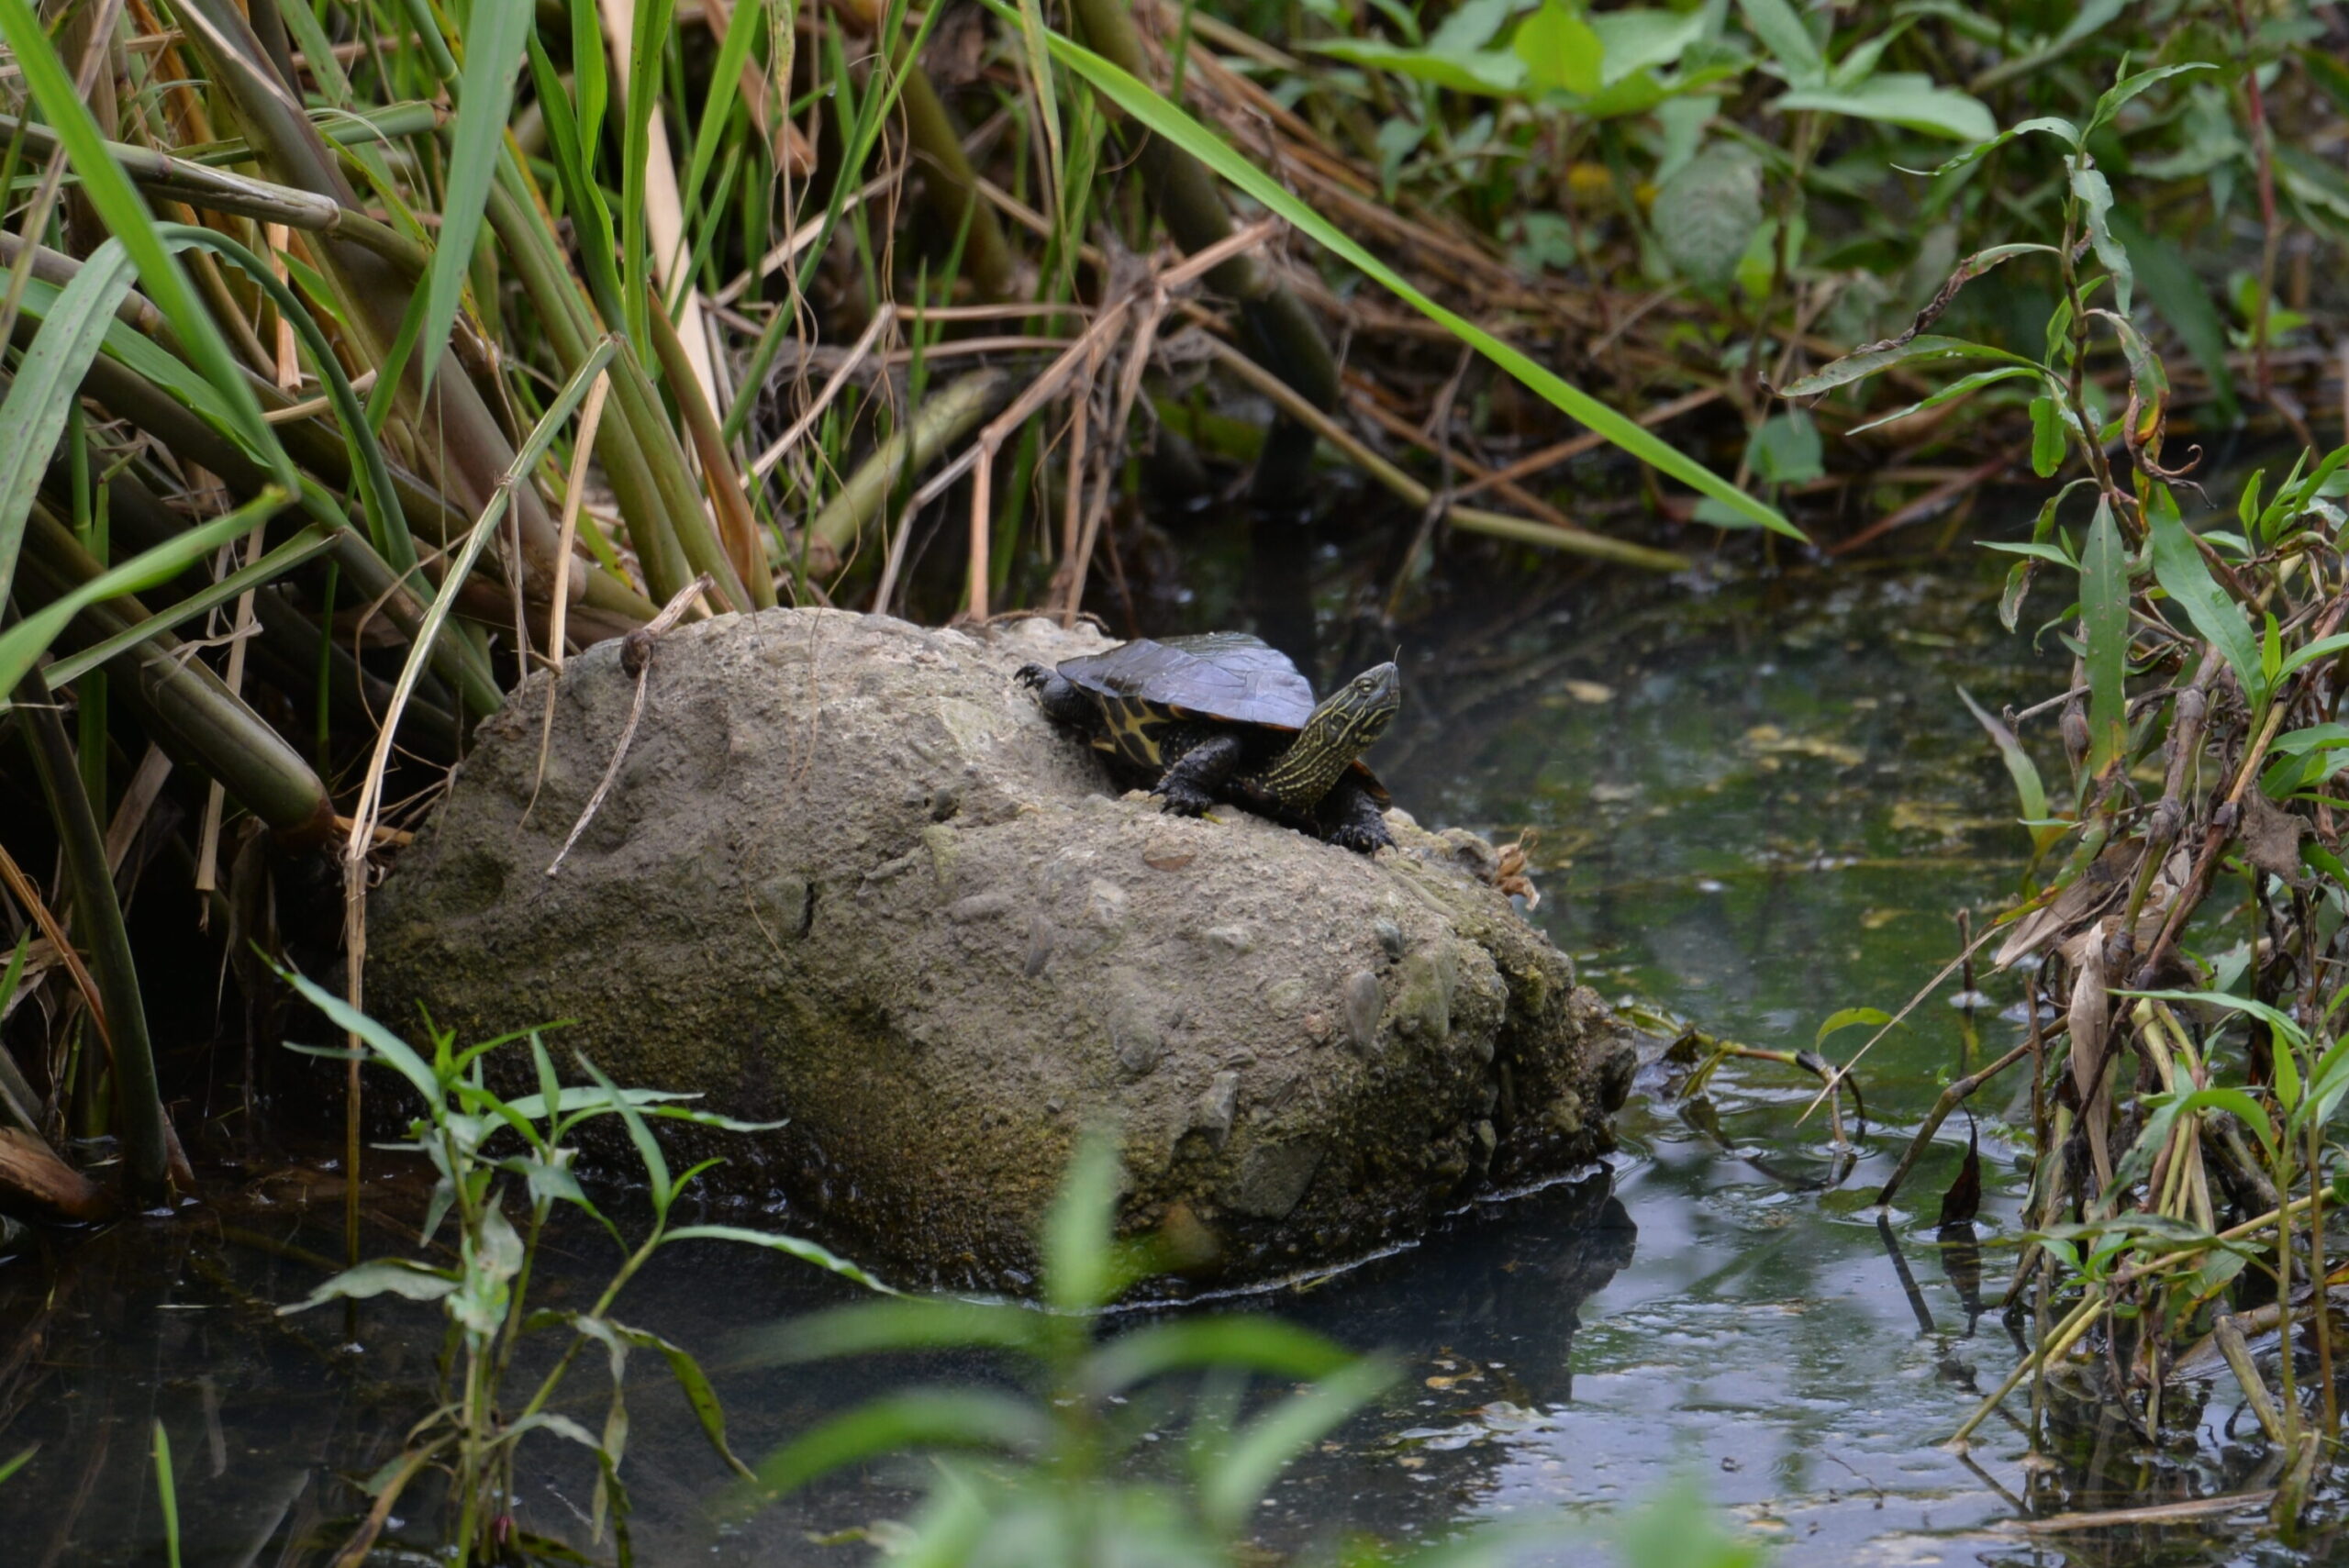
[[1756, 804]]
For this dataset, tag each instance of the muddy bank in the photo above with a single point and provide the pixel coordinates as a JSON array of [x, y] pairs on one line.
[[849, 875]]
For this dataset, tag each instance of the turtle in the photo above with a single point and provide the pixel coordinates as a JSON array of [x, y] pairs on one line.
[[1227, 717]]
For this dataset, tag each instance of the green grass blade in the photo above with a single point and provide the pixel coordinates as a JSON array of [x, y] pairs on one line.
[[725, 82], [494, 38], [126, 217], [167, 1495], [646, 50], [47, 380], [428, 631], [1166, 119], [22, 645], [313, 540], [591, 214], [386, 520]]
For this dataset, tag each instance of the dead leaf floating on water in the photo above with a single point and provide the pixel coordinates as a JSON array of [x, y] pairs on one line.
[[1769, 740]]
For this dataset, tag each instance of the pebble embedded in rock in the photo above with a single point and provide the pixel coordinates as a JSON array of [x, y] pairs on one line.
[[1363, 1003], [1213, 1111], [979, 906], [1233, 939]]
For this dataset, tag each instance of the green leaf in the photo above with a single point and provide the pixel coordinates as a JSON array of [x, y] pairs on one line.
[[1850, 1018], [384, 1276], [395, 1051], [47, 388], [692, 1381], [2128, 87], [1676, 1530], [2179, 567], [1778, 28], [918, 1418], [1705, 215], [1166, 119], [1904, 98], [1559, 50], [22, 645], [1080, 1272], [2104, 628], [2095, 194], [648, 1148], [2309, 654], [2280, 1022], [1638, 39], [1925, 347], [2047, 424], [1235, 1480], [495, 32], [902, 1323], [2052, 555], [1237, 1342], [1785, 450], [1963, 387], [1491, 72], [2045, 125], [2174, 291], [775, 1241], [2328, 1082], [2029, 790]]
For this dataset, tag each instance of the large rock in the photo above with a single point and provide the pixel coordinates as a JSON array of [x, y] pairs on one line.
[[849, 875]]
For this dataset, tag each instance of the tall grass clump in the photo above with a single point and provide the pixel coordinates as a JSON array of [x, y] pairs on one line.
[[359, 358]]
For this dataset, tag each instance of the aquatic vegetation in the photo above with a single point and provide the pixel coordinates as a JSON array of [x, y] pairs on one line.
[[2182, 930], [1063, 1476], [481, 1144]]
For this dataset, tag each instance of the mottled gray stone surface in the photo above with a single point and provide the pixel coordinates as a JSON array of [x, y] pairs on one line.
[[850, 876]]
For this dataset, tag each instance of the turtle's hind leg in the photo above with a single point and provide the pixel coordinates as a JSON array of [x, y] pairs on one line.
[[1194, 780], [1351, 817]]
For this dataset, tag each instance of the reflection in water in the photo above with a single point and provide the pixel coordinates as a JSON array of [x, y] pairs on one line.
[[1756, 810]]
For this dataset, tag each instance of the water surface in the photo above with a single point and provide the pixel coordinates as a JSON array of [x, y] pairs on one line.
[[1755, 805]]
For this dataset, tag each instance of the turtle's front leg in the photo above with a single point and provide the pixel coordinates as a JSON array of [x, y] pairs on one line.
[[1195, 780], [1351, 818]]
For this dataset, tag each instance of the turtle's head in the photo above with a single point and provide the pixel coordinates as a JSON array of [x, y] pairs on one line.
[[1349, 721]]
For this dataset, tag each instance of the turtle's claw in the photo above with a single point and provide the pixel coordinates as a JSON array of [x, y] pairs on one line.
[[1179, 802]]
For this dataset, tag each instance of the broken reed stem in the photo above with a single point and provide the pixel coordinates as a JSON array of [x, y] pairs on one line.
[[636, 658], [1495, 525], [1069, 592], [1192, 208], [1951, 1099], [575, 496], [2068, 1333]]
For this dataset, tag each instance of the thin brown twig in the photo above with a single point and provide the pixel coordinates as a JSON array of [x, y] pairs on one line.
[[636, 658]]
